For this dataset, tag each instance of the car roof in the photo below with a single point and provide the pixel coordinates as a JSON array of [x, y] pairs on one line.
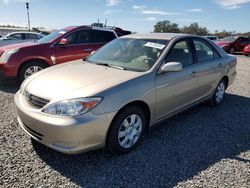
[[25, 32], [162, 36], [108, 28]]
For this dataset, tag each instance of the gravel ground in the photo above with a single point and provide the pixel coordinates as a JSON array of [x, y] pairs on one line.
[[202, 147]]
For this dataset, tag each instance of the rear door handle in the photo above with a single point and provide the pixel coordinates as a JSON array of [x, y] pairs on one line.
[[220, 65], [87, 50]]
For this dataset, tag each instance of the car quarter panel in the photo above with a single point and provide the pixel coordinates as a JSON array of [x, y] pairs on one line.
[[141, 88]]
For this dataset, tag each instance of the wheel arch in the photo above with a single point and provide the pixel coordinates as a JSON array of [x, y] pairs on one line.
[[30, 61], [143, 105], [226, 78]]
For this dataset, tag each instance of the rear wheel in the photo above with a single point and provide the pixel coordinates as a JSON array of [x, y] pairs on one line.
[[218, 93], [126, 130], [29, 69]]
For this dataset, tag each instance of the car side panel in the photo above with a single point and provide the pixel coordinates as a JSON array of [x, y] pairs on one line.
[[209, 74], [175, 90]]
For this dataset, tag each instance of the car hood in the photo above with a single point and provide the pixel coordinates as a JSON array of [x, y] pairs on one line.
[[75, 79], [15, 46], [221, 43]]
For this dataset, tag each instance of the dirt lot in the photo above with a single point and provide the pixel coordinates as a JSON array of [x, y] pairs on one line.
[[202, 147]]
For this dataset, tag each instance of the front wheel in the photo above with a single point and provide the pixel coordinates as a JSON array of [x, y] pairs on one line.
[[29, 69], [232, 50], [126, 130], [218, 93]]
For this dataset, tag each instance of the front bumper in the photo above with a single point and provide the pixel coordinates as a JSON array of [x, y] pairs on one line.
[[6, 73], [68, 135]]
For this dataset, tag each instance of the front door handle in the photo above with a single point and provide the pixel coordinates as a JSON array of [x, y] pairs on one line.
[[220, 65]]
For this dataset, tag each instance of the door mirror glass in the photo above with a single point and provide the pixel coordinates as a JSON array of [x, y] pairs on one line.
[[171, 67], [64, 41]]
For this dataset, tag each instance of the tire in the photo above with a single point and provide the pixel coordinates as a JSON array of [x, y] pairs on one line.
[[124, 135], [232, 50], [219, 93], [26, 70]]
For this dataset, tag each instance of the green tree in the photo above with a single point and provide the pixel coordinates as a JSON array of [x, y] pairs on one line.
[[166, 27], [195, 29], [224, 33]]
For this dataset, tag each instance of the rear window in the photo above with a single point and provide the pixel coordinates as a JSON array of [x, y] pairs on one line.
[[31, 36], [103, 36], [204, 51]]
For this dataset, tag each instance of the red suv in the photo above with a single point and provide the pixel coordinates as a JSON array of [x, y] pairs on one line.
[[233, 44], [71, 43]]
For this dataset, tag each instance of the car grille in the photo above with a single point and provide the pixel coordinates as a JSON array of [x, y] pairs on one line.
[[35, 100]]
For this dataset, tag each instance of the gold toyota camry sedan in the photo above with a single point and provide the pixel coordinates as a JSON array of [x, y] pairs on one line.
[[111, 98]]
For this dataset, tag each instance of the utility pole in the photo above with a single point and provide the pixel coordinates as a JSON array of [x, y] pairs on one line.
[[28, 14]]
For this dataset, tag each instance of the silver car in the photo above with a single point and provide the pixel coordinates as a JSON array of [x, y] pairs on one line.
[[111, 98]]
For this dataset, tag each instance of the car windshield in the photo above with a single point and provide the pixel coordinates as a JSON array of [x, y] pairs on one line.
[[229, 39], [129, 53], [52, 36]]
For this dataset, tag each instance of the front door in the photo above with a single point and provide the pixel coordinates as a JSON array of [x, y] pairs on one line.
[[80, 45], [175, 90]]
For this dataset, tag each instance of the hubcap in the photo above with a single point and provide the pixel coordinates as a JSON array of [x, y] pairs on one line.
[[31, 70], [130, 131], [220, 92]]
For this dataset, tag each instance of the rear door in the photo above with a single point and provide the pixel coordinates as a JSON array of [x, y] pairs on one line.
[[210, 66], [175, 90]]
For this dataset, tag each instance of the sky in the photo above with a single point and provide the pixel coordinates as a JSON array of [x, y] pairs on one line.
[[135, 15]]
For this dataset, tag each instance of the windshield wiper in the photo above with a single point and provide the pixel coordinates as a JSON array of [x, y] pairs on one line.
[[110, 65]]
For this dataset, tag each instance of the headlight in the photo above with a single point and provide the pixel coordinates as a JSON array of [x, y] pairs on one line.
[[7, 54], [72, 107]]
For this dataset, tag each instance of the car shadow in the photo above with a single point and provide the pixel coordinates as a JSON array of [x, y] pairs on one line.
[[9, 86], [175, 151]]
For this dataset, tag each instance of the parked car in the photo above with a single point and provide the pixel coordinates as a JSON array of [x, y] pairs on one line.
[[246, 50], [19, 37], [233, 44], [214, 38], [130, 84], [22, 60]]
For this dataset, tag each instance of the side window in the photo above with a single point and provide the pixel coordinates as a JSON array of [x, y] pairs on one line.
[[31, 36], [17, 36], [181, 52], [80, 37], [204, 51], [103, 36], [243, 40]]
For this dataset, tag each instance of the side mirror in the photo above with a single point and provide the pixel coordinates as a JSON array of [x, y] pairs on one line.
[[172, 67], [64, 41]]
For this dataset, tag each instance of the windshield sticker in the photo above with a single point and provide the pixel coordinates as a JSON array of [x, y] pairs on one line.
[[155, 45]]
